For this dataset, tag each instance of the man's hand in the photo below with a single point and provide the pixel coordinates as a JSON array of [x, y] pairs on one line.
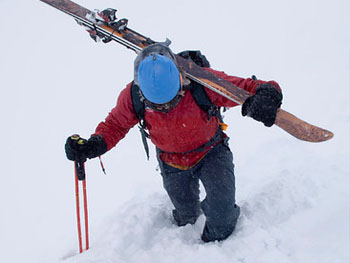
[[79, 149], [263, 105]]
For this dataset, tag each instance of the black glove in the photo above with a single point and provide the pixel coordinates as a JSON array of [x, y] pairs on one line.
[[78, 149], [196, 56], [263, 105]]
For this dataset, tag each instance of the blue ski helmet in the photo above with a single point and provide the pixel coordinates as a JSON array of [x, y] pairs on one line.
[[156, 74]]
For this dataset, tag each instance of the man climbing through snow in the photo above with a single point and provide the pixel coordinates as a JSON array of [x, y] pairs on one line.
[[183, 121]]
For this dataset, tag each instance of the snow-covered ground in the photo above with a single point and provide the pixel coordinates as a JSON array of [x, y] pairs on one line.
[[55, 81]]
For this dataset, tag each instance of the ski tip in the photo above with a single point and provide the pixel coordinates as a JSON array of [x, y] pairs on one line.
[[326, 135], [317, 135], [300, 129], [313, 134]]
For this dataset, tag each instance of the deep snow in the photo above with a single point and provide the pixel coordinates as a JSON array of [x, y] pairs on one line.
[[55, 81]]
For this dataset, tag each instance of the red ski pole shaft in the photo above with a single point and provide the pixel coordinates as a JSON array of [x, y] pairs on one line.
[[86, 216], [78, 209]]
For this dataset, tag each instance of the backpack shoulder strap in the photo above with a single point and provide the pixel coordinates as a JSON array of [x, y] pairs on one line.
[[139, 108], [138, 105], [203, 101]]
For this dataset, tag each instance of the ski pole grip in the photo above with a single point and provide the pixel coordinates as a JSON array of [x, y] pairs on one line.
[[79, 162]]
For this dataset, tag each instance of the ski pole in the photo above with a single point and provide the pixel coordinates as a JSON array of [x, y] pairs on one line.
[[86, 217], [78, 210], [80, 176]]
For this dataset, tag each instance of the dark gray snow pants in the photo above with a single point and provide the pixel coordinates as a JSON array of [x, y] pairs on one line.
[[216, 172]]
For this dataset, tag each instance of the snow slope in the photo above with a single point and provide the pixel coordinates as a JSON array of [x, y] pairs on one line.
[[55, 81]]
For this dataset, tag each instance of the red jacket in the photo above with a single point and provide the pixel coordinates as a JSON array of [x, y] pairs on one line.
[[184, 128]]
